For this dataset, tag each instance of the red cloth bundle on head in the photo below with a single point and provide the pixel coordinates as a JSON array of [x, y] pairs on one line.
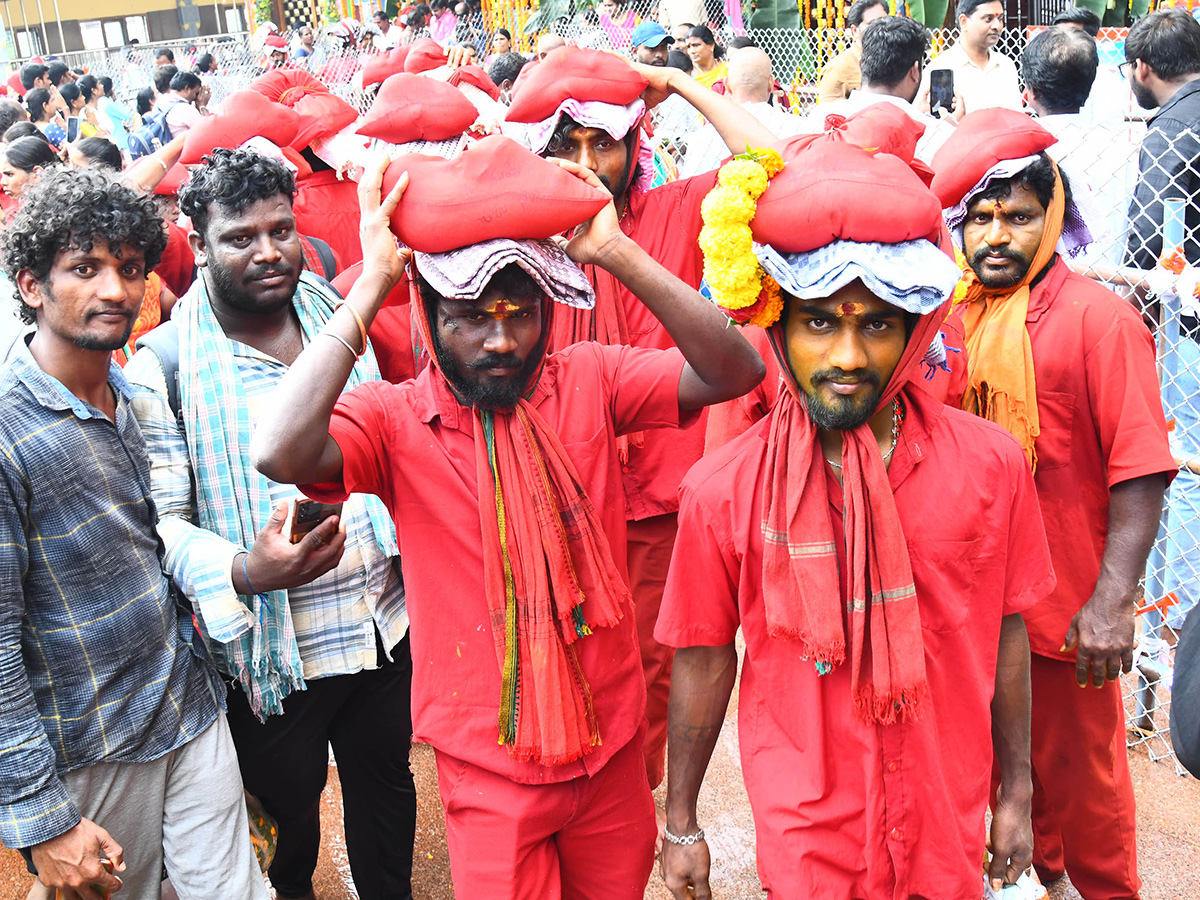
[[377, 69], [495, 189], [321, 112], [14, 82], [476, 76], [423, 55], [244, 114], [981, 140], [287, 86], [275, 41], [417, 108], [870, 618], [578, 73]]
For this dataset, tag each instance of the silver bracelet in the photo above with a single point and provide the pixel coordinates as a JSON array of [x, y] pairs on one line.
[[341, 340], [686, 840]]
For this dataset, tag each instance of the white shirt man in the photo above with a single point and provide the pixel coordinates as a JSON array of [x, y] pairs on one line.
[[983, 76]]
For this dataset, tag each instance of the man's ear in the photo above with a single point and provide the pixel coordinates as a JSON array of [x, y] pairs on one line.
[[199, 247], [30, 288]]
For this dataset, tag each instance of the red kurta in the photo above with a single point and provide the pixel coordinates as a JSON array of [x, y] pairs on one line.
[[842, 809], [413, 445], [1101, 423], [178, 265], [327, 208]]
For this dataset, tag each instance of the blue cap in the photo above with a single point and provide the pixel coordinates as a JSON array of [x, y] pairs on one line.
[[649, 34]]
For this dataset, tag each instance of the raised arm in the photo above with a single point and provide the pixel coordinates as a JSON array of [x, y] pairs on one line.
[[721, 364], [292, 444], [737, 127], [1011, 839], [701, 683], [148, 171]]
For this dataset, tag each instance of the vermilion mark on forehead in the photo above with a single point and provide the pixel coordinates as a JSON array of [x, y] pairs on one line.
[[851, 309], [501, 306]]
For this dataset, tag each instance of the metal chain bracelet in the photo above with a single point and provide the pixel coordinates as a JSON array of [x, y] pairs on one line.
[[686, 840]]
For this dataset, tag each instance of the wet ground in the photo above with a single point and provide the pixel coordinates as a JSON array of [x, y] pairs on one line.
[[1168, 835]]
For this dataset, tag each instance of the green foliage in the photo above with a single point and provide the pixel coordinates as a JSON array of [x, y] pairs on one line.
[[262, 11], [550, 10], [775, 14]]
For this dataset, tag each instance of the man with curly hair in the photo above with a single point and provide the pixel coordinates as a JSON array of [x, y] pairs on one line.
[[314, 639], [114, 750]]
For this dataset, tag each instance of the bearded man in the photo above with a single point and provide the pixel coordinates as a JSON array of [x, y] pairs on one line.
[[876, 548], [499, 465], [606, 138], [1068, 368]]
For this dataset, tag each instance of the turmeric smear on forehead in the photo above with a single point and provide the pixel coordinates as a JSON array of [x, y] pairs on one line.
[[850, 309], [501, 306]]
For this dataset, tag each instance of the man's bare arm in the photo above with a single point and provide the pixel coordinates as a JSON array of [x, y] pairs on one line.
[[1102, 631], [1012, 831], [734, 123], [701, 683], [292, 444]]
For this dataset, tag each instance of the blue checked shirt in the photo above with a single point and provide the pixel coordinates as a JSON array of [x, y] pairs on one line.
[[96, 662], [336, 616]]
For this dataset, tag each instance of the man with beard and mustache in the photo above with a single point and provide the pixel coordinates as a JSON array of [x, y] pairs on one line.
[[650, 44], [1068, 368], [875, 547], [499, 463], [607, 139], [311, 631], [983, 76], [113, 745]]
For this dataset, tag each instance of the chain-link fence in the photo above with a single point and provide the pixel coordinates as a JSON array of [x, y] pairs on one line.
[[1110, 164]]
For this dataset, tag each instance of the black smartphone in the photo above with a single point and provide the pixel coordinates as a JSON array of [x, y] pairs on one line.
[[308, 514], [941, 90], [72, 128]]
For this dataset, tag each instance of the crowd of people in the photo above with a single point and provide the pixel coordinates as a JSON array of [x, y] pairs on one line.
[[395, 397]]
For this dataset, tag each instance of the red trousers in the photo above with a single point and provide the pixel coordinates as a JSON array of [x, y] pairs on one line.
[[591, 838], [650, 542], [1083, 810]]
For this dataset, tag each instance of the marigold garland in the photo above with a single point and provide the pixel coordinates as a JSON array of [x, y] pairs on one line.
[[960, 289], [746, 293], [1173, 260]]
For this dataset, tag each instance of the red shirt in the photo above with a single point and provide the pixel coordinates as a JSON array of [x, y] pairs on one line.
[[665, 222], [327, 208], [393, 333], [845, 809], [178, 265], [413, 445], [1101, 423]]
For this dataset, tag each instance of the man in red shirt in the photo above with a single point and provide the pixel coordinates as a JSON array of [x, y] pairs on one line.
[[607, 138], [1068, 368], [875, 547], [499, 466]]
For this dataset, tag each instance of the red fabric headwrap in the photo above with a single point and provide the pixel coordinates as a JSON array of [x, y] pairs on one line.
[[573, 72], [981, 140]]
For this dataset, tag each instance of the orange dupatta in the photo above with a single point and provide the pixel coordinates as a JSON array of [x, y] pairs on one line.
[[1002, 387]]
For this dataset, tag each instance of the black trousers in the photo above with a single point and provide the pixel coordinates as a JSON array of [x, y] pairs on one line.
[[367, 719]]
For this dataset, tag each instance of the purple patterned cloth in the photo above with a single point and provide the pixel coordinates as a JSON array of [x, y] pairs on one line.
[[463, 274]]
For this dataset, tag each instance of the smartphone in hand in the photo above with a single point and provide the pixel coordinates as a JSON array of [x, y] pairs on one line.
[[308, 514], [941, 91]]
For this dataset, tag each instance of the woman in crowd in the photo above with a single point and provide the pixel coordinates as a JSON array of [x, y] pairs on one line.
[[77, 106], [42, 108], [90, 115], [501, 44], [115, 118], [95, 151], [618, 21], [23, 161], [145, 101], [707, 58]]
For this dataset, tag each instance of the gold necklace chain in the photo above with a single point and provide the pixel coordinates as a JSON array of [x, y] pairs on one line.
[[896, 419]]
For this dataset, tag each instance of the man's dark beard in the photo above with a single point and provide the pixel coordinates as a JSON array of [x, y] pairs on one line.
[[87, 342], [845, 413], [228, 295], [630, 164], [994, 280], [472, 391], [1143, 95]]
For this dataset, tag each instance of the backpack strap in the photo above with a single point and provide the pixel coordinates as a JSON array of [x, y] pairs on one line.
[[163, 342], [325, 254]]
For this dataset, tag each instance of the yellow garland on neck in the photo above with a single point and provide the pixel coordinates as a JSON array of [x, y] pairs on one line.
[[746, 293]]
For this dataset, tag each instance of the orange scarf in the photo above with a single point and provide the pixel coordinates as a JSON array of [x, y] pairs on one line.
[[1002, 387], [804, 597], [549, 576]]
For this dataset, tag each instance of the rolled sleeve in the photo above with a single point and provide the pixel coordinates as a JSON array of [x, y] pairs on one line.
[[34, 804], [359, 426], [700, 602], [198, 561], [1126, 402]]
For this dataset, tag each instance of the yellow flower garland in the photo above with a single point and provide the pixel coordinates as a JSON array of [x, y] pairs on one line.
[[746, 293]]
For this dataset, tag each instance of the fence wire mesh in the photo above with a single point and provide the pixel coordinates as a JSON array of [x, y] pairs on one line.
[[1120, 179]]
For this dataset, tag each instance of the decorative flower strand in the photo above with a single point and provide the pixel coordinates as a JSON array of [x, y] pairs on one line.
[[745, 293]]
